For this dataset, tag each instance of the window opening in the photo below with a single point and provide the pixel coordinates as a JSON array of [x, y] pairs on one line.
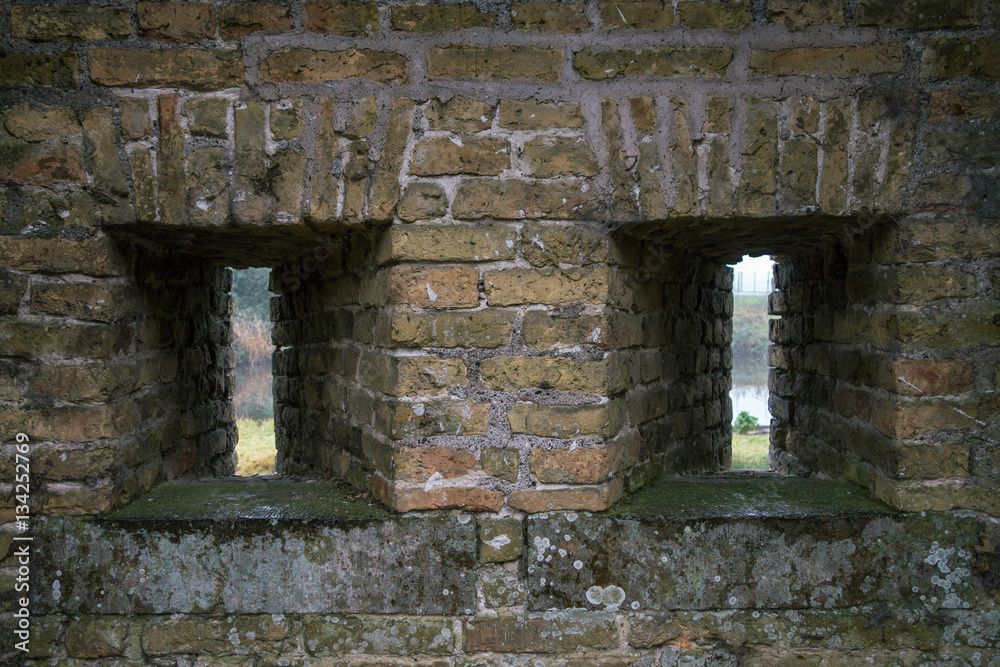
[[753, 281], [254, 395]]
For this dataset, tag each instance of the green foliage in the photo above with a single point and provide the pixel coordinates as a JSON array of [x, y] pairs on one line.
[[745, 422], [250, 293], [255, 447], [750, 452]]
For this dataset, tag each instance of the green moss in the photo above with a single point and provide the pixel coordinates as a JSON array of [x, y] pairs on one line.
[[242, 500], [747, 495]]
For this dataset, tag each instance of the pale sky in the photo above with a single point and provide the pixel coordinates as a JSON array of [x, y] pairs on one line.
[[752, 264]]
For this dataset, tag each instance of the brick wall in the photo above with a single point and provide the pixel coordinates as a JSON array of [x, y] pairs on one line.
[[499, 235]]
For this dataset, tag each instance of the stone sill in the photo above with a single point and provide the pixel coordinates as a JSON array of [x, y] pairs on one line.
[[728, 541], [735, 495]]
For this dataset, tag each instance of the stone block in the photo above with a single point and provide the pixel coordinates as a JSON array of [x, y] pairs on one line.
[[552, 157], [559, 632], [444, 156], [381, 636], [841, 62], [459, 114], [534, 115], [410, 376], [600, 420], [350, 19], [176, 21], [440, 416], [662, 62], [74, 22], [727, 14], [494, 62], [41, 122], [501, 589], [422, 201], [517, 199], [53, 70], [184, 67], [500, 462], [439, 18], [500, 540], [480, 329], [559, 17], [509, 374], [636, 14], [96, 638], [311, 65], [239, 19], [797, 15]]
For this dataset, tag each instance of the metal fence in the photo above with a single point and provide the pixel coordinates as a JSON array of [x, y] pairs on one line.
[[753, 282]]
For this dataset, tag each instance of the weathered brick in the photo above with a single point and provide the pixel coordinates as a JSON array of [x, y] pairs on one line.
[[841, 62], [593, 498], [929, 377], [286, 120], [351, 19], [384, 194], [494, 62], [185, 67], [513, 373], [832, 193], [96, 637], [94, 257], [729, 14], [176, 21], [919, 284], [439, 18], [433, 287], [549, 16], [207, 186], [649, 14], [536, 633], [109, 177], [422, 201], [134, 113], [99, 302], [699, 61], [516, 199], [214, 635], [207, 116], [544, 330], [760, 156], [550, 157], [549, 245], [326, 185], [55, 70], [486, 329], [897, 420], [919, 14], [171, 181], [418, 464], [382, 636], [406, 499], [459, 114], [75, 22], [239, 19], [600, 420], [442, 156], [447, 243], [969, 105], [12, 289], [533, 115], [946, 58], [71, 423], [88, 383], [549, 286], [795, 14], [286, 176], [305, 65], [586, 465], [500, 540], [42, 164], [442, 416], [500, 462], [41, 122]]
